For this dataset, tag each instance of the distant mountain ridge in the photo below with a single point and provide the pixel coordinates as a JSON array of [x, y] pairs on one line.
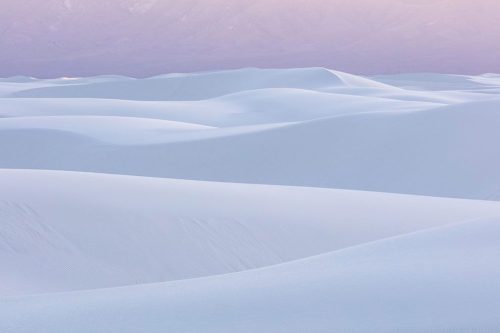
[[145, 37]]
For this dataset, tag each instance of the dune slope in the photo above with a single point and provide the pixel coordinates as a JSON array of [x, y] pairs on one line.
[[130, 230], [441, 280]]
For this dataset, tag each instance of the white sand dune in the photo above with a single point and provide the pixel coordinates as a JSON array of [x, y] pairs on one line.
[[445, 151], [251, 107], [430, 81], [440, 280], [130, 230], [290, 200], [119, 130], [206, 85]]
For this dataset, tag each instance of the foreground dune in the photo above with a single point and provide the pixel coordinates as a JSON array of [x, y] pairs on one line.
[[56, 226], [440, 280]]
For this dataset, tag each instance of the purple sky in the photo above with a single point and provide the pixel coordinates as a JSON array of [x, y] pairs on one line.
[[48, 38]]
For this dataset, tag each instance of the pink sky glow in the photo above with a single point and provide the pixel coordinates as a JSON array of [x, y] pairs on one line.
[[146, 37]]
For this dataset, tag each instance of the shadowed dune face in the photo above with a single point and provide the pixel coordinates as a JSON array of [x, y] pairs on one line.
[[146, 37]]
